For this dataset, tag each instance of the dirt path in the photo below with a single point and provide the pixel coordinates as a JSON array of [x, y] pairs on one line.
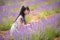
[[4, 35], [57, 38]]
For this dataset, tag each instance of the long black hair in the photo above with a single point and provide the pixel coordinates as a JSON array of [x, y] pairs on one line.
[[22, 12]]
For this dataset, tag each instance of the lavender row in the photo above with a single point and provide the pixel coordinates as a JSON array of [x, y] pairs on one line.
[[38, 28]]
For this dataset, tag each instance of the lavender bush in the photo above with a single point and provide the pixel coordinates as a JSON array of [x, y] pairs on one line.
[[40, 30]]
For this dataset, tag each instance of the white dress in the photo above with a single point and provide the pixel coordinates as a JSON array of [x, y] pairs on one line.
[[14, 28]]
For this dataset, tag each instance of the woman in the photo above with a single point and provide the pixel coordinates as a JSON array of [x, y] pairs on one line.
[[20, 20]]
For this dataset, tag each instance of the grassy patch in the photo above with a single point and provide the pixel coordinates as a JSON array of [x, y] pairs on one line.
[[6, 26]]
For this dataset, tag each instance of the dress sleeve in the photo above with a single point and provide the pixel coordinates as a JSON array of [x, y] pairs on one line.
[[20, 19]]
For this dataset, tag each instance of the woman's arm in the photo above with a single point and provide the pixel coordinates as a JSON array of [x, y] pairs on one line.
[[19, 24]]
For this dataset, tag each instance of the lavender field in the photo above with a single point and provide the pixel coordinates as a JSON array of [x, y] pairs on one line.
[[46, 28]]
